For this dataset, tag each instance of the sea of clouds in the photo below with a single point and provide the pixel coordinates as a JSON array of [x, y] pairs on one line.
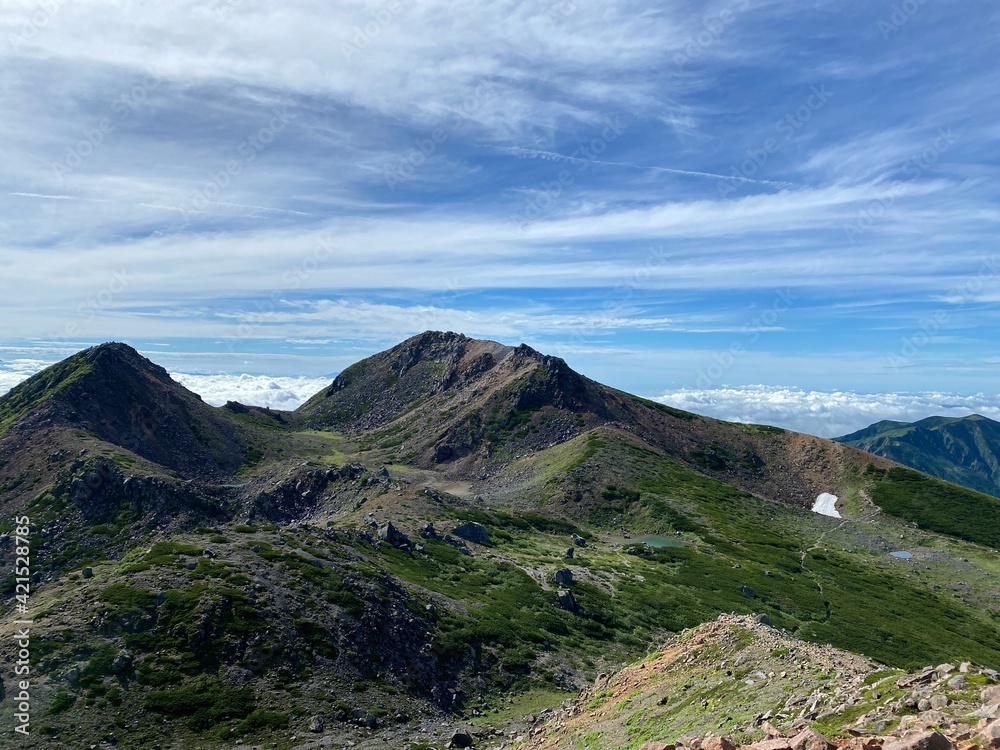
[[826, 413], [823, 413]]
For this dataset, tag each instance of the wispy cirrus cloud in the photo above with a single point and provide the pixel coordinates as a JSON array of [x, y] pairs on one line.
[[206, 149]]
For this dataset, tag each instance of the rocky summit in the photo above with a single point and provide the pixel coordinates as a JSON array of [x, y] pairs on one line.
[[464, 543]]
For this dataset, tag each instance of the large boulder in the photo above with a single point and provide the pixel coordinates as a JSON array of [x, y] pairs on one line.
[[778, 743], [471, 531], [990, 734], [566, 600]]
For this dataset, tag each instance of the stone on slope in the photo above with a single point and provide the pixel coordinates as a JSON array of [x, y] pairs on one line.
[[778, 743], [921, 740], [563, 577], [810, 739], [460, 739], [991, 733], [990, 696], [717, 743]]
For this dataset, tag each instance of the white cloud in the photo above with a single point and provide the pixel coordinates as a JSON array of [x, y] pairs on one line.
[[254, 390], [419, 60], [14, 371], [826, 413]]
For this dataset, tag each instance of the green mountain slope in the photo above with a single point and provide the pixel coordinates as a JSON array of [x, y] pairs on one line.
[[964, 450]]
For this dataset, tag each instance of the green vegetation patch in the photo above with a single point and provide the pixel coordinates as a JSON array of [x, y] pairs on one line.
[[937, 505], [203, 702]]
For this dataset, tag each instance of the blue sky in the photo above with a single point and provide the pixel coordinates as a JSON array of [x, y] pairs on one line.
[[676, 197]]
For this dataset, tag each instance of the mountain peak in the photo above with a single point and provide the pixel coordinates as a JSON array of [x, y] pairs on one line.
[[376, 389], [115, 394], [115, 355]]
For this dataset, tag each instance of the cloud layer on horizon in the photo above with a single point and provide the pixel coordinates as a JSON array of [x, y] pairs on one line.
[[826, 413], [823, 413]]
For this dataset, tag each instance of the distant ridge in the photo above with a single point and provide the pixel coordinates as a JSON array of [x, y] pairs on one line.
[[963, 450]]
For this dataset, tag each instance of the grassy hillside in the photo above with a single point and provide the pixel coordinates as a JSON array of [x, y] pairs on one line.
[[938, 506]]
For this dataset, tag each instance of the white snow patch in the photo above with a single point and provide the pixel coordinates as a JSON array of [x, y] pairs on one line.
[[826, 505]]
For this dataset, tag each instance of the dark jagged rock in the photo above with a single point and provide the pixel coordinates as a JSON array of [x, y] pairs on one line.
[[566, 600], [387, 532], [563, 577]]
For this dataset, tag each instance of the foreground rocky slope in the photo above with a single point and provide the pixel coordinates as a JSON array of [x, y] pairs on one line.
[[739, 682]]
